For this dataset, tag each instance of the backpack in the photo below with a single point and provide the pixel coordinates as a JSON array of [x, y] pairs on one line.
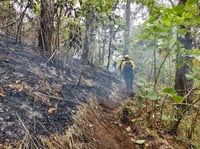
[[128, 67], [120, 66]]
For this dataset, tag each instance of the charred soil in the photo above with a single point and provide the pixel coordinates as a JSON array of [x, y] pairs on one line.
[[41, 105], [38, 96]]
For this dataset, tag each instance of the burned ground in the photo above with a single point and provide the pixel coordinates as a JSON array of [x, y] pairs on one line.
[[40, 98], [42, 106]]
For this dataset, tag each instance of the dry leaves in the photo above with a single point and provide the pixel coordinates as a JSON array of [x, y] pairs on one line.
[[17, 86], [89, 82], [2, 93], [51, 110], [128, 128]]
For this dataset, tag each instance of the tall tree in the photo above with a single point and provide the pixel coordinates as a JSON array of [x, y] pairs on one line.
[[93, 11], [86, 44], [109, 45], [88, 9], [46, 25], [127, 30], [181, 84]]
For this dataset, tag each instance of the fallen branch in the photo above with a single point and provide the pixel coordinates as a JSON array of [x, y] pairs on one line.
[[51, 57]]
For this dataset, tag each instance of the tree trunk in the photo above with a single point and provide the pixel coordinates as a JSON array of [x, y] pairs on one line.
[[103, 51], [57, 40], [127, 31], [99, 55], [92, 43], [46, 25], [89, 30], [86, 44], [109, 46], [182, 86]]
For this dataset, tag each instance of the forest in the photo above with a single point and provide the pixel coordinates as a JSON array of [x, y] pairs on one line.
[[61, 86]]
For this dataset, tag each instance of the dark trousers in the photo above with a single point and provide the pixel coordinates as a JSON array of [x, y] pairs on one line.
[[128, 77]]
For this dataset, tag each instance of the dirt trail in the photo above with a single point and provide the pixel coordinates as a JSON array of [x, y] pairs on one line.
[[101, 126], [108, 129], [100, 123]]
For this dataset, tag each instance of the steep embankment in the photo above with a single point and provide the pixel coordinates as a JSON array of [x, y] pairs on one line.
[[37, 98]]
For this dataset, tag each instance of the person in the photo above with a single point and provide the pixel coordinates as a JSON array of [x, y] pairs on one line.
[[127, 67], [114, 65]]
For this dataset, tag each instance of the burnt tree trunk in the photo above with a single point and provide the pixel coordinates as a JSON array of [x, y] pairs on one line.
[[45, 38]]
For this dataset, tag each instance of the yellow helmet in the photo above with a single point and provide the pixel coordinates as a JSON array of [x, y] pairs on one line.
[[126, 56]]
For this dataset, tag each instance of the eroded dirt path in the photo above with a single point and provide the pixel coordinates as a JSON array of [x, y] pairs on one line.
[[107, 128], [100, 123], [104, 125]]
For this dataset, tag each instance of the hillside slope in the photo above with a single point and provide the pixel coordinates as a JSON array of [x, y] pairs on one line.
[[39, 98], [41, 106]]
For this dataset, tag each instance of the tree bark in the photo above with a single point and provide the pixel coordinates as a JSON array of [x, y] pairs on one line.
[[109, 46], [103, 50], [46, 26], [86, 44], [182, 86], [127, 31]]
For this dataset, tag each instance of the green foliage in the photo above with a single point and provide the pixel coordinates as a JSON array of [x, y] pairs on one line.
[[163, 27], [177, 98], [96, 7], [130, 111], [4, 7], [146, 90], [149, 3], [171, 92], [163, 30], [152, 95], [37, 7], [163, 20], [165, 117]]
